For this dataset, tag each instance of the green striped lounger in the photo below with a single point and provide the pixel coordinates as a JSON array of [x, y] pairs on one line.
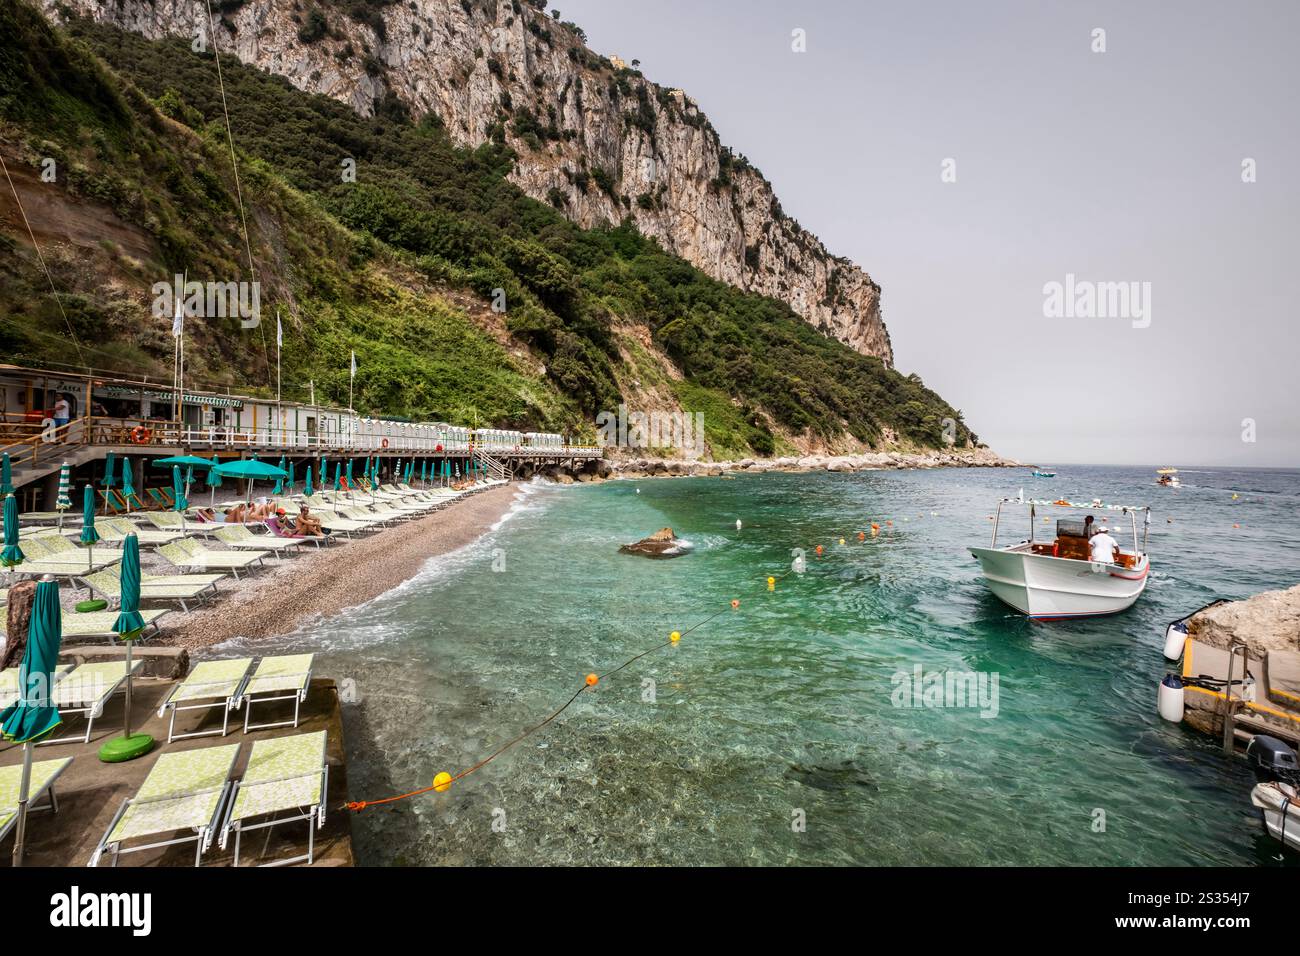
[[210, 684], [185, 790], [277, 678], [44, 774], [286, 775]]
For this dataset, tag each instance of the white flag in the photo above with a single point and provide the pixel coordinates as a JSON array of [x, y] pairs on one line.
[[354, 364], [178, 320], [279, 332]]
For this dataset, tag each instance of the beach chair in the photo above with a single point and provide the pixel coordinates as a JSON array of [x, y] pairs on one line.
[[210, 684], [181, 588], [284, 775], [340, 526], [189, 553], [9, 683], [100, 624], [112, 500], [116, 529], [277, 678], [238, 536], [55, 549], [86, 690], [162, 497], [185, 790], [41, 783]]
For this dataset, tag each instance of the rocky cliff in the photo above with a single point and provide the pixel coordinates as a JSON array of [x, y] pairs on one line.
[[594, 137]]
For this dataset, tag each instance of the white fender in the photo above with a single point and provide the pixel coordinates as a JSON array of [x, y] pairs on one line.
[[1175, 640], [1169, 700]]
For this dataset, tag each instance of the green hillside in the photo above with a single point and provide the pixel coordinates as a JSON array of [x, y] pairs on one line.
[[387, 264]]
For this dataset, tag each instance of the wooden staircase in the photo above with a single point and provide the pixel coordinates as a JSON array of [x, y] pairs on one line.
[[494, 468]]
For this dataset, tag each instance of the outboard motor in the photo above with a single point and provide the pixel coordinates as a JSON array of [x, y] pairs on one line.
[[1272, 760]]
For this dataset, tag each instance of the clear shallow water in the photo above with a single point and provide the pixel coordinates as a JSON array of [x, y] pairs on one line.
[[785, 705]]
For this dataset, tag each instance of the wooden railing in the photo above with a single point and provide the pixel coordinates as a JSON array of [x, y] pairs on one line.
[[40, 443]]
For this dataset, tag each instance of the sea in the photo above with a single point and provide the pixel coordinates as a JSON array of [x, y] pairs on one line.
[[794, 728]]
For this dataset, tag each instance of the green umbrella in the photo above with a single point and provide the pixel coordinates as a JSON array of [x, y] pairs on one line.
[[351, 486], [181, 504], [338, 476], [64, 500], [128, 482], [6, 477], [424, 476], [250, 469], [88, 533], [12, 554], [108, 471], [291, 478], [308, 490], [34, 715], [185, 461], [214, 481], [189, 479], [279, 482], [128, 626]]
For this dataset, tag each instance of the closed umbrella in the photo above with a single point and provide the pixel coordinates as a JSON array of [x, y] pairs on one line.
[[214, 481], [279, 482], [128, 482], [6, 476], [308, 490], [350, 481], [189, 479], [107, 483], [181, 503], [35, 715], [64, 500], [424, 476], [338, 476], [12, 555], [88, 533], [128, 626], [292, 480]]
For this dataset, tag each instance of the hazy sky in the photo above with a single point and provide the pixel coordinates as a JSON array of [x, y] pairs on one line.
[[1121, 166]]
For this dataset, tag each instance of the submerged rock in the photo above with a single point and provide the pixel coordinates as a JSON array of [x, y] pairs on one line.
[[662, 544]]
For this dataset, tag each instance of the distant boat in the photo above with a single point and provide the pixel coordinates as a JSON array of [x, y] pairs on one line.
[[1166, 471], [1168, 479], [1055, 579], [1044, 474]]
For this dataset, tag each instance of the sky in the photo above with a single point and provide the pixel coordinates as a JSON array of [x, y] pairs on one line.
[[1119, 165]]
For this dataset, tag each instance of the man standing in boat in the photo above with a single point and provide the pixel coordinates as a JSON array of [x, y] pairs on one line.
[[1102, 548]]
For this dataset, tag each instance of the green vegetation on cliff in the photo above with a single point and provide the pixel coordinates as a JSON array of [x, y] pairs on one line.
[[367, 262]]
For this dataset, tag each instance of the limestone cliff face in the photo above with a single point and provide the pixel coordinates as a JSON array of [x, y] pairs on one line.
[[594, 137]]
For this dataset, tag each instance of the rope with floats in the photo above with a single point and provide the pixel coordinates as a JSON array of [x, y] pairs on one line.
[[443, 781]]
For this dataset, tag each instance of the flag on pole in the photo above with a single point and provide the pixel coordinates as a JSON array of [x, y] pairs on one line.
[[178, 320], [279, 332], [354, 364]]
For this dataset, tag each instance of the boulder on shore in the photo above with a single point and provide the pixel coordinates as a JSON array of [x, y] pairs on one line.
[[662, 544], [1265, 622]]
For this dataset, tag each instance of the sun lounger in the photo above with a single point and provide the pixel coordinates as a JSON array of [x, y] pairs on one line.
[[40, 783], [277, 678], [180, 588], [9, 683], [284, 775], [185, 790], [341, 526], [85, 691], [238, 536], [210, 684], [100, 623], [55, 549], [192, 554], [116, 529], [112, 500]]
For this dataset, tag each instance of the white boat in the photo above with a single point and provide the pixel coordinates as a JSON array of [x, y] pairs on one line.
[[1277, 772], [1054, 579]]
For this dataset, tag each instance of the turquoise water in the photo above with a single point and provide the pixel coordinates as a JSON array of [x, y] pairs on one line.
[[783, 709]]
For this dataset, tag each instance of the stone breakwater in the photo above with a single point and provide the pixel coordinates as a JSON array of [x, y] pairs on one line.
[[606, 469]]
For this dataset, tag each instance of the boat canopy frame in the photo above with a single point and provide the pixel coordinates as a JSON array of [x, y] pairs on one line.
[[1094, 505]]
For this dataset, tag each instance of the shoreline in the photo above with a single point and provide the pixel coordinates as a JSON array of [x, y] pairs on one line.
[[324, 582]]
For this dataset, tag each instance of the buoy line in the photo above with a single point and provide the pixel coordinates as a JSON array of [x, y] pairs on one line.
[[443, 781]]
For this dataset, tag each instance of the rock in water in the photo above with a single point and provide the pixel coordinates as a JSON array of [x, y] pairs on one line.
[[662, 544]]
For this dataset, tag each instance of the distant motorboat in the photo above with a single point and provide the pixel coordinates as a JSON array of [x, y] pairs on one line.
[[1051, 580], [1168, 480], [1044, 474]]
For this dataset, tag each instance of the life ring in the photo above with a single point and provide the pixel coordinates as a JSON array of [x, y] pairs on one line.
[[384, 443], [141, 435]]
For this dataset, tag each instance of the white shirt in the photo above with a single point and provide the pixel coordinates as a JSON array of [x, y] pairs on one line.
[[61, 409], [1102, 547]]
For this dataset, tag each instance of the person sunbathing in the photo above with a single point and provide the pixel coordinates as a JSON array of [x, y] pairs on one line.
[[308, 524], [236, 515]]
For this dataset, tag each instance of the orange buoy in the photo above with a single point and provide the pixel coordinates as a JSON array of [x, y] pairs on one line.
[[592, 680], [862, 536], [819, 549], [734, 604]]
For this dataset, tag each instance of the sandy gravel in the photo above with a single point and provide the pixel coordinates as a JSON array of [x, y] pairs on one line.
[[319, 583]]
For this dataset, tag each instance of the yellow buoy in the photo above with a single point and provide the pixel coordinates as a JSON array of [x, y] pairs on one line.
[[675, 636], [841, 542], [442, 782]]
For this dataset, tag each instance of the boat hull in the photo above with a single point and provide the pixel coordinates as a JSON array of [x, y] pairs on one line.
[[1281, 816], [1047, 588]]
